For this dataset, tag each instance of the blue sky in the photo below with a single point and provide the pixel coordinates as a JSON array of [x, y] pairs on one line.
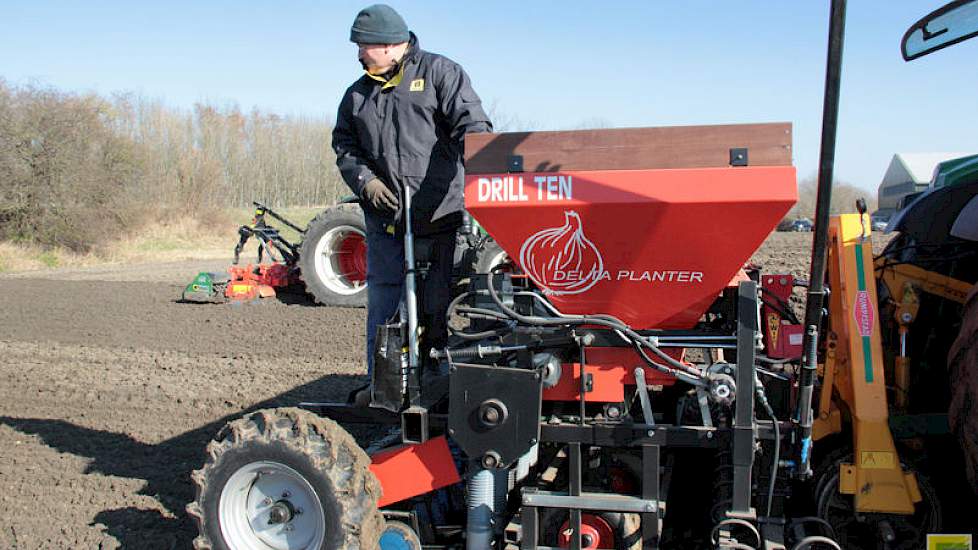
[[547, 65]]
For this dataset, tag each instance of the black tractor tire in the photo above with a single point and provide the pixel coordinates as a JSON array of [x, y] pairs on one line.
[[477, 260], [963, 381], [316, 460], [332, 257]]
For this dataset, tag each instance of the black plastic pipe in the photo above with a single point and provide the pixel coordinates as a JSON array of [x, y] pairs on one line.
[[816, 289]]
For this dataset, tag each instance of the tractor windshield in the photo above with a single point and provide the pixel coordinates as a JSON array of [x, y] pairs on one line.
[[948, 25]]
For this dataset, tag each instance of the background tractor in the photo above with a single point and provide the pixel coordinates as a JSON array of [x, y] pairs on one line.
[[618, 378]]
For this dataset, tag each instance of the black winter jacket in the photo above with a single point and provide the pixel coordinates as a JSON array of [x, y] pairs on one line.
[[411, 133]]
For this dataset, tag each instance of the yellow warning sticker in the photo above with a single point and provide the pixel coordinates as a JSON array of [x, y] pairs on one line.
[[877, 460], [417, 85], [949, 542], [773, 327]]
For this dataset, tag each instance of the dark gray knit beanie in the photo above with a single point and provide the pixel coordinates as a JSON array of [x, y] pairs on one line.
[[379, 24]]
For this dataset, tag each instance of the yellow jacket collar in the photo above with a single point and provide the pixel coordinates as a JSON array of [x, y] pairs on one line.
[[393, 81]]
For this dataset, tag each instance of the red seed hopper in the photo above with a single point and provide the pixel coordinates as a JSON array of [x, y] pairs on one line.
[[646, 224]]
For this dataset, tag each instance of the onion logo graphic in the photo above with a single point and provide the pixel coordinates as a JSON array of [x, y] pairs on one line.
[[562, 260]]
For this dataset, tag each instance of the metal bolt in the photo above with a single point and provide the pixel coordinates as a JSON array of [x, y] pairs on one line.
[[298, 511], [286, 494], [709, 435], [906, 317], [289, 527], [586, 541], [783, 281], [533, 441], [650, 433], [650, 507], [491, 415], [451, 431], [490, 460], [267, 502]]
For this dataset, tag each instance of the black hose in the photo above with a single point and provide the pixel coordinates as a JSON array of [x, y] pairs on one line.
[[785, 308], [777, 453], [491, 314], [648, 360], [454, 303], [769, 361], [601, 320], [481, 311], [772, 374], [478, 335]]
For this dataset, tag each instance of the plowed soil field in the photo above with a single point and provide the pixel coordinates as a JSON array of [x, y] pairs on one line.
[[110, 390]]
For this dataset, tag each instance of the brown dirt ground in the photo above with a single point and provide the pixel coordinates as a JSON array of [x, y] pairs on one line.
[[111, 389]]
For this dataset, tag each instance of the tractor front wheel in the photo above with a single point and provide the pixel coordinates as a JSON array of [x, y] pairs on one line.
[[286, 479], [333, 257], [963, 381]]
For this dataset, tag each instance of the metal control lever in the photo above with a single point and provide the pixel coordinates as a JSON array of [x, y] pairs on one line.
[[414, 420], [643, 396], [704, 402]]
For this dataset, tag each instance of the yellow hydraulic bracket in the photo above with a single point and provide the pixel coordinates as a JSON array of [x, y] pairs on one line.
[[900, 277], [854, 369], [903, 283]]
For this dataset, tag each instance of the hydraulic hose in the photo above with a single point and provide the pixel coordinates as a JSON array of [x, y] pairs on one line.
[[493, 315], [600, 320], [762, 399]]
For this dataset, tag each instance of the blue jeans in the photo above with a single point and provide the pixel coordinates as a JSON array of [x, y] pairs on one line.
[[385, 284]]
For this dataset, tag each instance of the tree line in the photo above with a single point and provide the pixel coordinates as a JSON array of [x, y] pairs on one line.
[[76, 169]]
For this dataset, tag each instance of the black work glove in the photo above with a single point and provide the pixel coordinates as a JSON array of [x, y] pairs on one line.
[[380, 196]]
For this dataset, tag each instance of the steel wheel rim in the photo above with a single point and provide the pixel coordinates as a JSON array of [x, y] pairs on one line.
[[246, 502], [329, 260], [839, 511]]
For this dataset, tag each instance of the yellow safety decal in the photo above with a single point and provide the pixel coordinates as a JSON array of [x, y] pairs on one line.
[[949, 542], [417, 85], [877, 460], [773, 327], [240, 288]]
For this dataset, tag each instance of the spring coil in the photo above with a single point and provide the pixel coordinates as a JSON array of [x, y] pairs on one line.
[[723, 475]]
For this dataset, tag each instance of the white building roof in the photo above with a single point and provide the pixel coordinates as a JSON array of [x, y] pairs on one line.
[[920, 166]]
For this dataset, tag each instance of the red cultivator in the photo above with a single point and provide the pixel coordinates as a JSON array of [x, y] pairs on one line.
[[329, 264]]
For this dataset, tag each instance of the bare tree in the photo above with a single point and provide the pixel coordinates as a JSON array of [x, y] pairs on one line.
[[74, 169]]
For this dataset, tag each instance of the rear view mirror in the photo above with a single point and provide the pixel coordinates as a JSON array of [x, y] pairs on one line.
[[948, 25]]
